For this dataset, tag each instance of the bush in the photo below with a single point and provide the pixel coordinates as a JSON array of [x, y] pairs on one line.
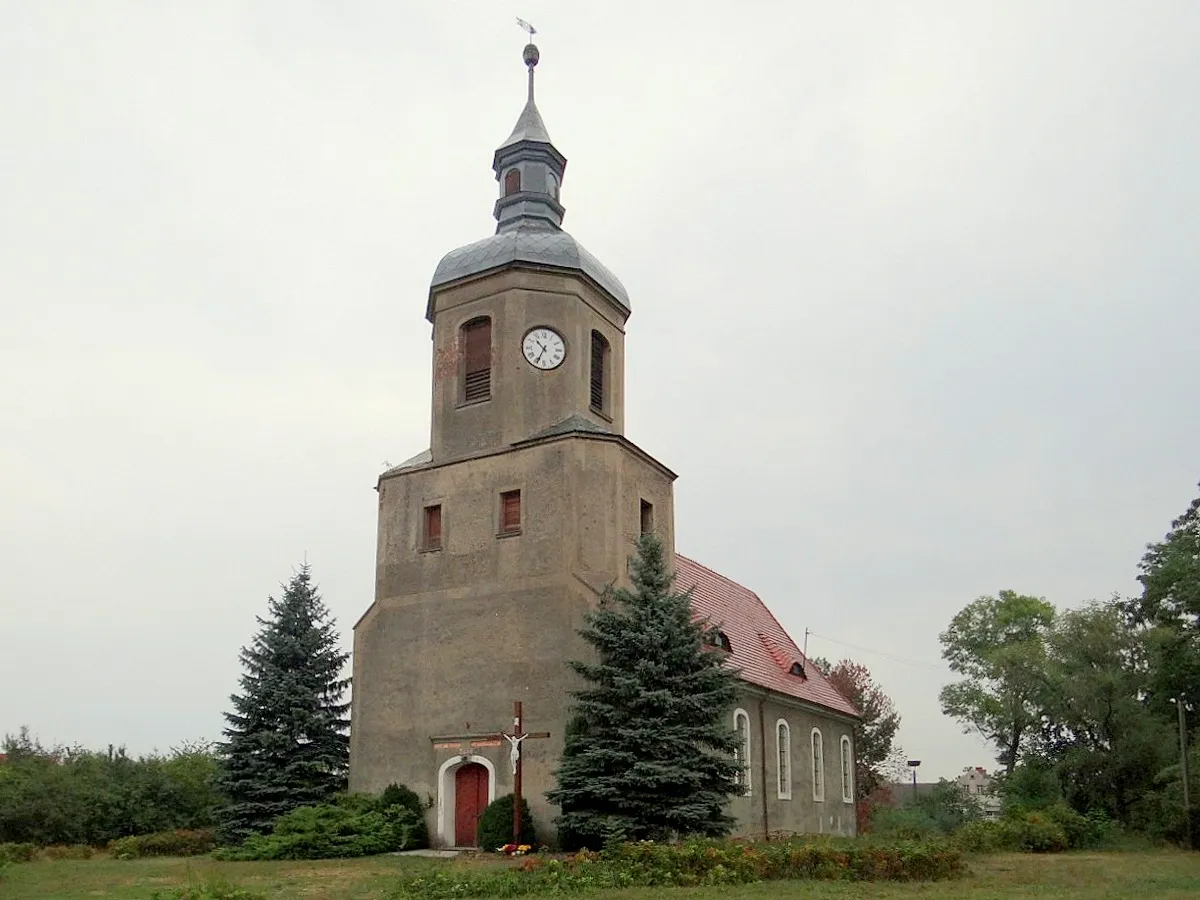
[[17, 852], [354, 825], [697, 862], [904, 823], [1050, 831], [208, 890], [62, 795], [496, 824], [67, 851], [406, 798], [181, 842]]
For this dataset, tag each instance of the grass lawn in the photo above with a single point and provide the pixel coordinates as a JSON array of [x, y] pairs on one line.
[[1095, 876]]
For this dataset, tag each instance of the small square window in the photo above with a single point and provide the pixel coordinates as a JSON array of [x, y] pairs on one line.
[[510, 512], [647, 517], [432, 536]]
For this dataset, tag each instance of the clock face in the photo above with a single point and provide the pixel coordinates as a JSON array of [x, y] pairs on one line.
[[544, 348]]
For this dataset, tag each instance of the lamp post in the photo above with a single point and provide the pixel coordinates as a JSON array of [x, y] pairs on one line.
[[912, 764], [1181, 705]]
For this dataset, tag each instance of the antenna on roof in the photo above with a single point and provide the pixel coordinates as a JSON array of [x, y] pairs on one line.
[[806, 643]]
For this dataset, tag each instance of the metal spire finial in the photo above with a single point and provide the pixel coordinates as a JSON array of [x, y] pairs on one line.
[[530, 53]]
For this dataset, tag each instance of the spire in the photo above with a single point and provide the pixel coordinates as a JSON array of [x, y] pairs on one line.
[[528, 166], [530, 126]]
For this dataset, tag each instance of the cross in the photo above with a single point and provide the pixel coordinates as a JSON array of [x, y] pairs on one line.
[[514, 742], [464, 743]]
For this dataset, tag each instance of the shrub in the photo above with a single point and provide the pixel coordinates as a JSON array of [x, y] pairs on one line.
[[496, 824], [354, 825], [67, 851], [904, 823], [181, 842], [17, 852], [61, 795], [208, 890], [697, 862], [406, 798]]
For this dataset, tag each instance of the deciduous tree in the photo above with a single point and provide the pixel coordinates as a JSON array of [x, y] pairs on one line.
[[1170, 606], [998, 645], [875, 733]]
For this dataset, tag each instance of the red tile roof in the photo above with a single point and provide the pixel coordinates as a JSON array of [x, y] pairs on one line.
[[762, 650]]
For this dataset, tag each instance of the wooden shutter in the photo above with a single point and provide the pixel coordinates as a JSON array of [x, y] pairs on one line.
[[647, 517], [599, 352], [510, 511], [512, 181], [433, 527], [477, 352]]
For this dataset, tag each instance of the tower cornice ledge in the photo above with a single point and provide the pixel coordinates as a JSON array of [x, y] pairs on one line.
[[550, 436]]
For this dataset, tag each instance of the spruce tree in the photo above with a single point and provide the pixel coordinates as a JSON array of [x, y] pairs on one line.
[[648, 754], [287, 744]]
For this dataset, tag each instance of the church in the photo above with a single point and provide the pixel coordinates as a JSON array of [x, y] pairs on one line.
[[495, 542]]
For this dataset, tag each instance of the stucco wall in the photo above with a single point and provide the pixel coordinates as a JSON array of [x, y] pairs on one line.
[[455, 635], [524, 400], [801, 812]]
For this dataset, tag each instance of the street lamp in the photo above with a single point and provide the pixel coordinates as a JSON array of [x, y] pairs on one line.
[[912, 764], [1181, 705]]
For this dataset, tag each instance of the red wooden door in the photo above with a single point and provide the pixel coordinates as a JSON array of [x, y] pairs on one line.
[[470, 799]]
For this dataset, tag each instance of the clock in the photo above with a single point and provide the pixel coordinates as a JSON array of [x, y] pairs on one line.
[[544, 348]]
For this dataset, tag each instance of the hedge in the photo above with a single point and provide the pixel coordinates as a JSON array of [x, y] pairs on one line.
[[697, 862]]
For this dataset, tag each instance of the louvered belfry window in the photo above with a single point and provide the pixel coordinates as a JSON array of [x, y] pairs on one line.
[[598, 373], [477, 352]]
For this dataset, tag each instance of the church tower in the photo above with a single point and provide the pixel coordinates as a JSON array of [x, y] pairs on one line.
[[494, 543]]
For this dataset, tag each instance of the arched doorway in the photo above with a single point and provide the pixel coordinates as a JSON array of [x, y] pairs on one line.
[[470, 800]]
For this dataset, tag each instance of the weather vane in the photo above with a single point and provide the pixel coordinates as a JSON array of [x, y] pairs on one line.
[[532, 31]]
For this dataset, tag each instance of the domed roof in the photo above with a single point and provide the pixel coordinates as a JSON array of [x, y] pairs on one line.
[[533, 243], [528, 213]]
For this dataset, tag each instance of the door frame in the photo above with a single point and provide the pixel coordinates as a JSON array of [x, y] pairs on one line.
[[446, 794]]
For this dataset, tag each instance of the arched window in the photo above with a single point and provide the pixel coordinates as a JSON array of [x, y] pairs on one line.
[[818, 765], [797, 669], [847, 771], [723, 642], [783, 752], [476, 349], [599, 373], [741, 726], [512, 181]]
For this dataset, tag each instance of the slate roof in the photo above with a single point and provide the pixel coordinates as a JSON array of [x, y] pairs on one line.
[[530, 242], [529, 127], [572, 424], [425, 456], [761, 649]]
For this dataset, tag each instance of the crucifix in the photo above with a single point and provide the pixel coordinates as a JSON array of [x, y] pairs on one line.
[[465, 744], [514, 755]]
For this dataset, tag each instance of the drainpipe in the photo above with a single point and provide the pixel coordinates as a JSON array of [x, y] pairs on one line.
[[762, 743]]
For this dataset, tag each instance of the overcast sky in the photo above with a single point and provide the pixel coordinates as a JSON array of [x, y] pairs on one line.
[[914, 287]]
